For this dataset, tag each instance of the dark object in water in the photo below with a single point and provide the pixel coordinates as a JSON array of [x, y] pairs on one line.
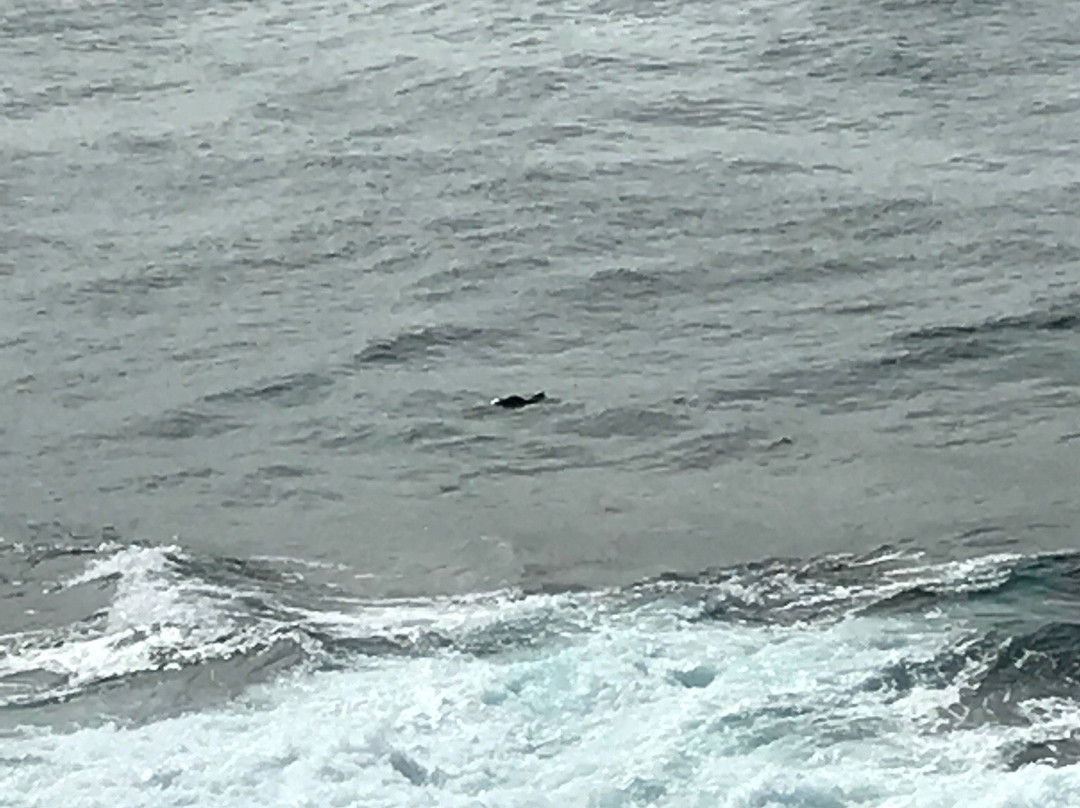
[[517, 402]]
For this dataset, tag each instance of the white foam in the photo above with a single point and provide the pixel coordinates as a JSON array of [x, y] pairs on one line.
[[602, 719], [457, 615], [152, 616]]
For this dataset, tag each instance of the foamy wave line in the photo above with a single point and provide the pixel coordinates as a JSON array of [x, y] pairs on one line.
[[160, 617], [155, 620]]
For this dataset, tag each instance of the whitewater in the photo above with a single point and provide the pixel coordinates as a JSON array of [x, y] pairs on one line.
[[872, 681]]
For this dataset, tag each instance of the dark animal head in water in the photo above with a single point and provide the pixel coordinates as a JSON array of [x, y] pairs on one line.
[[517, 402]]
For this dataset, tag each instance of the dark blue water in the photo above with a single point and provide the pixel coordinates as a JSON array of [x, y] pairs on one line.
[[799, 281]]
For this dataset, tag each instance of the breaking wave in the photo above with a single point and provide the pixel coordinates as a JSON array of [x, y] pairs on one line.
[[878, 680]]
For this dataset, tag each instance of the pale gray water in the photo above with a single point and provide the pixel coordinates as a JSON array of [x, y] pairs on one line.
[[265, 263]]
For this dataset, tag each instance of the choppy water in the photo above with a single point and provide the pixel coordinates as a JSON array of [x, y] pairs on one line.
[[799, 280], [876, 680]]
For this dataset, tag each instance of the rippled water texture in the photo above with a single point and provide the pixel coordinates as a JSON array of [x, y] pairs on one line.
[[790, 529], [264, 265]]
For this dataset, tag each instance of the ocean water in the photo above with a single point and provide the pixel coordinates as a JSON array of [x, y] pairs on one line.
[[861, 680], [795, 525]]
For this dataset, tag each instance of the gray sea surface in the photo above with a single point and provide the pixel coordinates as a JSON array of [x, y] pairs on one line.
[[796, 523], [797, 277]]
